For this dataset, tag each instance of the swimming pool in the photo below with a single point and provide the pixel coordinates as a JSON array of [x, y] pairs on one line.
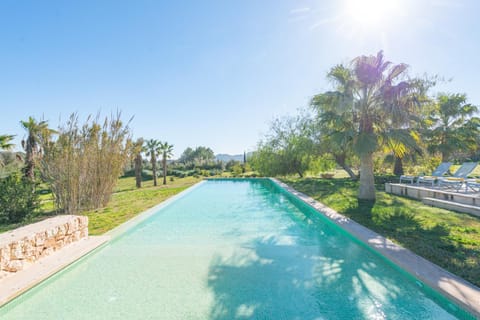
[[232, 250]]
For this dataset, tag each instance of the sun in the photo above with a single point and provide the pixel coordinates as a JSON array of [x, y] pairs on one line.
[[371, 12]]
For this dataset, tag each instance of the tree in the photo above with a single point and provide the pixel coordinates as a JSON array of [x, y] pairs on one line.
[[152, 151], [370, 90], [453, 126], [137, 149], [38, 133], [5, 145], [17, 199], [5, 142], [287, 149], [187, 157], [201, 156], [167, 152], [335, 129]]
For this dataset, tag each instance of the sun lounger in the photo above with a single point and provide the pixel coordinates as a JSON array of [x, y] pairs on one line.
[[459, 178], [437, 173], [473, 184]]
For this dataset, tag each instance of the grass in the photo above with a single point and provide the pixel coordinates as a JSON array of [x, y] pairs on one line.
[[127, 202], [448, 239]]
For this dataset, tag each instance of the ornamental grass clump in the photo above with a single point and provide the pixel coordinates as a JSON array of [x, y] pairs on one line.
[[83, 165]]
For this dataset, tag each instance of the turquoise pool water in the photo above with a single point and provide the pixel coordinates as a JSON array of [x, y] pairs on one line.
[[232, 250]]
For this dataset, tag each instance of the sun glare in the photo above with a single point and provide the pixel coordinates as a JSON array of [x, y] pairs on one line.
[[371, 12]]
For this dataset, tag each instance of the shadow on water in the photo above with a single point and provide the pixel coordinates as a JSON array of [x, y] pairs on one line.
[[268, 279]]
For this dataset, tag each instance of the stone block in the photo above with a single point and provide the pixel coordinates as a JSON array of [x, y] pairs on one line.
[[28, 249], [4, 256], [14, 265], [59, 244], [16, 250], [40, 239]]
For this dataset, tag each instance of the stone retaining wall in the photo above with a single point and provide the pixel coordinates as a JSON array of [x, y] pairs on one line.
[[27, 244]]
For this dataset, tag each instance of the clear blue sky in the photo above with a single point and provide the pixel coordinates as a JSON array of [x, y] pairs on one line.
[[214, 73]]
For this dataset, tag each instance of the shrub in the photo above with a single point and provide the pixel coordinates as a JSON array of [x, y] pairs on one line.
[[18, 199], [83, 165]]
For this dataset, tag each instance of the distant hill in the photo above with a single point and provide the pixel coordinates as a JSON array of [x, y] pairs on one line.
[[228, 157]]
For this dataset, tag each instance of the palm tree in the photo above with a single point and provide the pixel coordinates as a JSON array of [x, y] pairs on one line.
[[167, 152], [453, 126], [152, 150], [38, 134], [5, 145], [5, 142], [371, 91], [336, 129], [137, 149]]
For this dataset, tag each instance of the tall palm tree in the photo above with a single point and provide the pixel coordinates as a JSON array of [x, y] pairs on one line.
[[137, 149], [371, 90], [5, 141], [167, 152], [152, 150], [38, 133], [453, 126]]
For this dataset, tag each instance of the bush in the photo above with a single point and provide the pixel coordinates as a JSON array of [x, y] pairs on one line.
[[18, 199]]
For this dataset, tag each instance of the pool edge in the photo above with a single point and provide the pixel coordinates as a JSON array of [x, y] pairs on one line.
[[465, 294]]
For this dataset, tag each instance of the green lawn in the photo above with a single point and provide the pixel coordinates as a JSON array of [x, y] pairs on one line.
[[127, 202], [448, 239]]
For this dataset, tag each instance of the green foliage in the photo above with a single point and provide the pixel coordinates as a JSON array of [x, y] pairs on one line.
[[5, 141], [287, 149], [454, 130], [321, 164], [18, 199], [198, 157], [237, 170]]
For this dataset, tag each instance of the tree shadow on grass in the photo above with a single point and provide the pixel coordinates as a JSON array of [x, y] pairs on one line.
[[321, 187], [435, 243]]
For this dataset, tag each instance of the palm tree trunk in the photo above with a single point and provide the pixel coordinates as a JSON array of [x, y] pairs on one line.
[[367, 181], [164, 162], [340, 159], [398, 166], [138, 170], [154, 171], [29, 163]]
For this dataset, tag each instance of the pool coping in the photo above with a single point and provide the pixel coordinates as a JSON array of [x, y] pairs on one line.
[[455, 288], [12, 286]]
